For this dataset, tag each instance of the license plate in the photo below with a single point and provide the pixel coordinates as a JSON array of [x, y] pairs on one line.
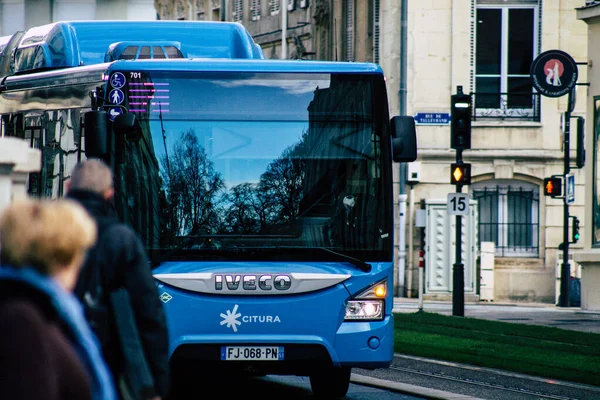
[[254, 353]]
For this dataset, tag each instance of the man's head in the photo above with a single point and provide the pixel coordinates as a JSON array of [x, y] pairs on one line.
[[94, 175]]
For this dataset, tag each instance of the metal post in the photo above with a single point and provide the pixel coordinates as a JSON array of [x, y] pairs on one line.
[[565, 270], [458, 270], [401, 244], [283, 5]]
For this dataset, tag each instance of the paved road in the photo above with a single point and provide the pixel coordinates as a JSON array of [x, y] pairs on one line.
[[275, 387], [572, 318]]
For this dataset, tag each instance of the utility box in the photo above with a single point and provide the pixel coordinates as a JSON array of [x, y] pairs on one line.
[[574, 267], [486, 274], [414, 172], [440, 241]]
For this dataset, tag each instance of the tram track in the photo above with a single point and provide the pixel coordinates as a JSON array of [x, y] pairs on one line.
[[483, 384], [446, 380]]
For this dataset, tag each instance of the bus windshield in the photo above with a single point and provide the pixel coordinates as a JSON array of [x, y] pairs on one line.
[[261, 163]]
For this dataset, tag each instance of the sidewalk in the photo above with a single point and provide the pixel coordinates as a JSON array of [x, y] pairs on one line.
[[572, 318]]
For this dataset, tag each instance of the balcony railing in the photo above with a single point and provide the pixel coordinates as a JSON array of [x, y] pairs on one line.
[[506, 106]]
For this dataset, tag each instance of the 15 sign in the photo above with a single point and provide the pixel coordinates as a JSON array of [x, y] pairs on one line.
[[458, 204]]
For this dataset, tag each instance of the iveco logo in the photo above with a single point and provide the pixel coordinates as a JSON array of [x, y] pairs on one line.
[[253, 282]]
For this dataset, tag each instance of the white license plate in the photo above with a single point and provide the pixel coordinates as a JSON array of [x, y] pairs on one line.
[[254, 353]]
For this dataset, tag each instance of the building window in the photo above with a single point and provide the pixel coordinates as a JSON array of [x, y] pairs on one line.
[[508, 215], [506, 43], [238, 11]]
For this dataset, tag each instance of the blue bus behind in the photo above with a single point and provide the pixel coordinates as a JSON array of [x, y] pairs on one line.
[[261, 188]]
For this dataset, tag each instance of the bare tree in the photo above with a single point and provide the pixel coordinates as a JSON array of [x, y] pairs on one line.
[[282, 183], [192, 187]]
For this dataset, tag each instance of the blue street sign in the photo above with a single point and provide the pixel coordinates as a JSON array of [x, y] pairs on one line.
[[432, 118], [570, 188]]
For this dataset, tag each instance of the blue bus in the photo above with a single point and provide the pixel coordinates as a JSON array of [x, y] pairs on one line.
[[261, 188]]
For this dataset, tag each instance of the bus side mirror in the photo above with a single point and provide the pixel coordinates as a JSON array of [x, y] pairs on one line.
[[126, 125], [404, 139], [95, 124]]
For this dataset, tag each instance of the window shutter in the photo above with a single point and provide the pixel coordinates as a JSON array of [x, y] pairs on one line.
[[238, 12], [255, 10], [274, 6], [303, 3], [291, 6], [350, 30]]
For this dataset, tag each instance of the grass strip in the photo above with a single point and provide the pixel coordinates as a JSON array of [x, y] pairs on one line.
[[535, 350]]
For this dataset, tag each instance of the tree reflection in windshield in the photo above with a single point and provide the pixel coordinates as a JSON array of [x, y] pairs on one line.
[[198, 203], [192, 187], [267, 166]]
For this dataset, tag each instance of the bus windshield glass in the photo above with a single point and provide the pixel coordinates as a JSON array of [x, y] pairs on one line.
[[260, 163]]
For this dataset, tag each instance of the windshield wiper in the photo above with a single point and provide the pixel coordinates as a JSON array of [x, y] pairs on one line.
[[193, 239], [360, 264]]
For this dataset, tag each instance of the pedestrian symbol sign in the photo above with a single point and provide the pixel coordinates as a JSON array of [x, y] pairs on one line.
[[570, 188]]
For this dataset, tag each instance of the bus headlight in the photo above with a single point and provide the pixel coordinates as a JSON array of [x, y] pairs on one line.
[[368, 305], [364, 310]]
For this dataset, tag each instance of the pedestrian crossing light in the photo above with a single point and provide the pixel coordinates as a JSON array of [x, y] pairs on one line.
[[553, 186], [575, 236], [460, 174]]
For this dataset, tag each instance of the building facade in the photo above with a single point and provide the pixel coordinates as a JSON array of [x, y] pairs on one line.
[[428, 49], [589, 256], [17, 15]]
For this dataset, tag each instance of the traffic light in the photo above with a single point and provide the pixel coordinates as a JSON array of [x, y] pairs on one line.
[[575, 236], [553, 186], [460, 120], [460, 174]]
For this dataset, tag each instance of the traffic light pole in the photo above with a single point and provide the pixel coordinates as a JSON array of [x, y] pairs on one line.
[[458, 269], [565, 269]]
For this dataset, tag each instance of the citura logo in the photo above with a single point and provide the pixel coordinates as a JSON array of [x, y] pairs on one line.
[[233, 319]]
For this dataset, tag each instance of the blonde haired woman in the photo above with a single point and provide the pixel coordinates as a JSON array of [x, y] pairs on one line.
[[46, 347]]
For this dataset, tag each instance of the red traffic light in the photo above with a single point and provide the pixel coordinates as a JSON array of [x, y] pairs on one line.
[[553, 186]]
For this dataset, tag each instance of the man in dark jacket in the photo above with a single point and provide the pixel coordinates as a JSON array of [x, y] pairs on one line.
[[120, 259]]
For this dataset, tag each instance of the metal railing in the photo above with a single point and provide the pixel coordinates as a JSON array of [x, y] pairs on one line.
[[509, 218], [523, 106]]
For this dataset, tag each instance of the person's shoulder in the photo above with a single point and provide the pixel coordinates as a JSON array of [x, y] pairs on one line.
[[21, 313], [121, 229], [119, 234]]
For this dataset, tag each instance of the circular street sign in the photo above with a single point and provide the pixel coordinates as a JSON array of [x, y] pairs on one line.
[[553, 73]]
